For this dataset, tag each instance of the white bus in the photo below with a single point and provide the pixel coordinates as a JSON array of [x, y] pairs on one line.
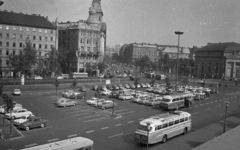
[[77, 143], [80, 75], [161, 127], [176, 101]]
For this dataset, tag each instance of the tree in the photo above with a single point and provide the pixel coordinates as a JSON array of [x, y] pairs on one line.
[[53, 62], [74, 83], [101, 67], [24, 61], [167, 81], [8, 101], [185, 81], [115, 56], [137, 79]]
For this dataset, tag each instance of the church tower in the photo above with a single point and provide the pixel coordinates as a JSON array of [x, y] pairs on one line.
[[95, 13]]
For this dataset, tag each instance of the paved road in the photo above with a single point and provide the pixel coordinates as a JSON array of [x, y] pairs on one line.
[[108, 133]]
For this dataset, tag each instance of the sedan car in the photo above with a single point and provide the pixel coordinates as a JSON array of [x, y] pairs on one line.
[[83, 89], [95, 87], [91, 101], [22, 119], [107, 104], [72, 94], [106, 92], [16, 92], [125, 97], [18, 113], [2, 108], [142, 85], [109, 87], [64, 102], [115, 87], [38, 77], [132, 86], [126, 86], [98, 102], [33, 122]]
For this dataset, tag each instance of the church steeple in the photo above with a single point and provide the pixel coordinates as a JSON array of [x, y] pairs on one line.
[[95, 13]]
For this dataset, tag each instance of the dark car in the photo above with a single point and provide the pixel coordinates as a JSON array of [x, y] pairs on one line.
[[83, 89], [95, 87], [109, 87], [115, 87], [33, 122]]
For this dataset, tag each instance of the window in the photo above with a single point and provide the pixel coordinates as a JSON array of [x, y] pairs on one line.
[[51, 31], [27, 29], [0, 52], [0, 35], [7, 44], [14, 52], [34, 30], [21, 36], [0, 26], [14, 44], [34, 37], [40, 46], [46, 39], [176, 122], [20, 28], [40, 38], [165, 125], [171, 123], [27, 37], [182, 120], [40, 30], [7, 52], [0, 43], [7, 35], [20, 52], [34, 45], [14, 28], [7, 62], [7, 27], [20, 44], [45, 30], [158, 128], [51, 38], [39, 53], [186, 119], [45, 46]]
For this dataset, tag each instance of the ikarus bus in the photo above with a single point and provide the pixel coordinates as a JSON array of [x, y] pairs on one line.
[[177, 101], [161, 127]]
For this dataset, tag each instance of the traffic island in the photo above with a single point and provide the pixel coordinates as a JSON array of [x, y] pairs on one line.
[[5, 131]]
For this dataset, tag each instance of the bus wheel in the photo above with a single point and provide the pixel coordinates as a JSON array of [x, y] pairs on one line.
[[185, 131], [164, 139]]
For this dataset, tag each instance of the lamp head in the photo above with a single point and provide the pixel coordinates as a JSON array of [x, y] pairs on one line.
[[227, 102], [178, 32], [1, 2]]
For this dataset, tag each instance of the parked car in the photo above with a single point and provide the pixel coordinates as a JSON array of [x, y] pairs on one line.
[[95, 87], [154, 102], [103, 87], [91, 101], [60, 77], [126, 86], [144, 100], [115, 87], [138, 86], [83, 89], [148, 85], [16, 107], [142, 85], [106, 92], [109, 87], [72, 94], [107, 104], [18, 113], [38, 77], [16, 92], [64, 102], [125, 97], [33, 122], [132, 86], [98, 102], [22, 119]]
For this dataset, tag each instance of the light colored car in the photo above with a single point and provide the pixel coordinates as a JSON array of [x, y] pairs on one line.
[[126, 86], [16, 92], [91, 101], [38, 77], [60, 77], [154, 102], [143, 100], [22, 119], [106, 92], [98, 102], [150, 89], [107, 104], [143, 85], [64, 102], [125, 97], [72, 94], [2, 109], [137, 99], [18, 113], [148, 85]]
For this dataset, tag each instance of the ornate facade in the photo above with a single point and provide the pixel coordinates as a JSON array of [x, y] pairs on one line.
[[218, 60], [85, 39]]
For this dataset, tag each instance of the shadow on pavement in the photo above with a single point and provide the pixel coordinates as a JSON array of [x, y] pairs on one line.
[[194, 143]]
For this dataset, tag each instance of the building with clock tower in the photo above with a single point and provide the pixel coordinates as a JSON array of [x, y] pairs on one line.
[[85, 40]]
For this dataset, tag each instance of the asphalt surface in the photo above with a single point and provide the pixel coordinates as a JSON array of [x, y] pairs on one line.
[[109, 133]]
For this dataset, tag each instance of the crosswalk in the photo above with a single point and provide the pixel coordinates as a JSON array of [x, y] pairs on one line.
[[84, 112]]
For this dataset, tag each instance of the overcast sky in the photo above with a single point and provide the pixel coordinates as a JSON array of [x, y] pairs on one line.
[[150, 21]]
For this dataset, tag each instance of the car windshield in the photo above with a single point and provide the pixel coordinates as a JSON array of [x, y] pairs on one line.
[[166, 100]]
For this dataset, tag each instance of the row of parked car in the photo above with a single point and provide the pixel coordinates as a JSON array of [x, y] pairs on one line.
[[101, 103], [23, 118]]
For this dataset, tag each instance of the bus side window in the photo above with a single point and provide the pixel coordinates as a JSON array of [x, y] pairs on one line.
[[171, 123], [165, 125], [182, 120], [186, 118], [176, 121], [158, 128]]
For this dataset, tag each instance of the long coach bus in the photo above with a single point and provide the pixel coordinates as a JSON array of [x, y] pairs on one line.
[[79, 75], [77, 143], [161, 127], [177, 101]]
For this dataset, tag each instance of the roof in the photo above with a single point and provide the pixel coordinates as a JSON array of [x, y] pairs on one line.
[[174, 49], [227, 141], [230, 46], [19, 19]]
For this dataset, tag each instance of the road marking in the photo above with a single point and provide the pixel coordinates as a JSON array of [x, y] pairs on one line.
[[118, 125], [130, 121], [52, 140], [39, 93], [90, 131], [104, 128], [126, 113], [73, 135], [215, 101], [201, 104], [80, 114], [207, 109], [97, 119], [30, 145], [218, 106], [141, 119], [234, 101], [120, 110], [115, 135], [30, 93], [75, 112], [69, 109], [207, 103], [195, 113], [189, 107], [89, 116], [37, 129], [195, 106], [221, 114]]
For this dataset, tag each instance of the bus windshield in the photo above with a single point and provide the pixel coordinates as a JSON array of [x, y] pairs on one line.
[[142, 127]]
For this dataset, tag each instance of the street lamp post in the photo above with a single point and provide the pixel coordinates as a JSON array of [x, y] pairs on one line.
[[178, 33], [148, 124], [224, 127], [113, 104]]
